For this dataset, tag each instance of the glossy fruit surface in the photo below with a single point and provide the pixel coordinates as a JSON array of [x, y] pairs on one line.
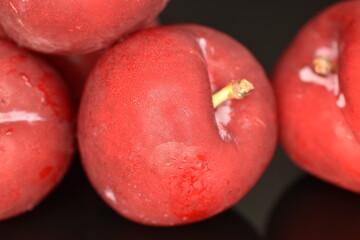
[[151, 142], [320, 113], [2, 34], [74, 69], [36, 130], [74, 27]]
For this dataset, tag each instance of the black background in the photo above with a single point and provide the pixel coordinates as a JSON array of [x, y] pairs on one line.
[[74, 211]]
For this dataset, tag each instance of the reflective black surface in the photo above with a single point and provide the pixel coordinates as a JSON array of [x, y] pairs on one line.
[[312, 209], [74, 211]]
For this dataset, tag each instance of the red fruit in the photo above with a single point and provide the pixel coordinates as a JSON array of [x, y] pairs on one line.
[[36, 130], [74, 27], [151, 23], [319, 103], [74, 69], [2, 34], [151, 142]]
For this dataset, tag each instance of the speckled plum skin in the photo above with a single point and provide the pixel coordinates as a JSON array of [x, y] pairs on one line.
[[2, 34], [151, 142], [74, 26], [75, 69], [36, 130], [320, 123]]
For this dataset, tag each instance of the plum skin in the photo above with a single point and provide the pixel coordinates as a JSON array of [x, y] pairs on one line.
[[77, 27], [74, 69], [36, 133], [150, 152], [318, 131]]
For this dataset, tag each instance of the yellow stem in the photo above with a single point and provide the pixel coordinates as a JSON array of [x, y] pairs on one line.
[[323, 65], [237, 89]]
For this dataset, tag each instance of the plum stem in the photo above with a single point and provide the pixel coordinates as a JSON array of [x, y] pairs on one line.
[[237, 89], [323, 65]]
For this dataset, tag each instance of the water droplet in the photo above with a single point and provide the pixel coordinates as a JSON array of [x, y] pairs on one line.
[[26, 79], [9, 132]]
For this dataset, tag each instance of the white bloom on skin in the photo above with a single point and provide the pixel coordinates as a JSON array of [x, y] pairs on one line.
[[18, 116]]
